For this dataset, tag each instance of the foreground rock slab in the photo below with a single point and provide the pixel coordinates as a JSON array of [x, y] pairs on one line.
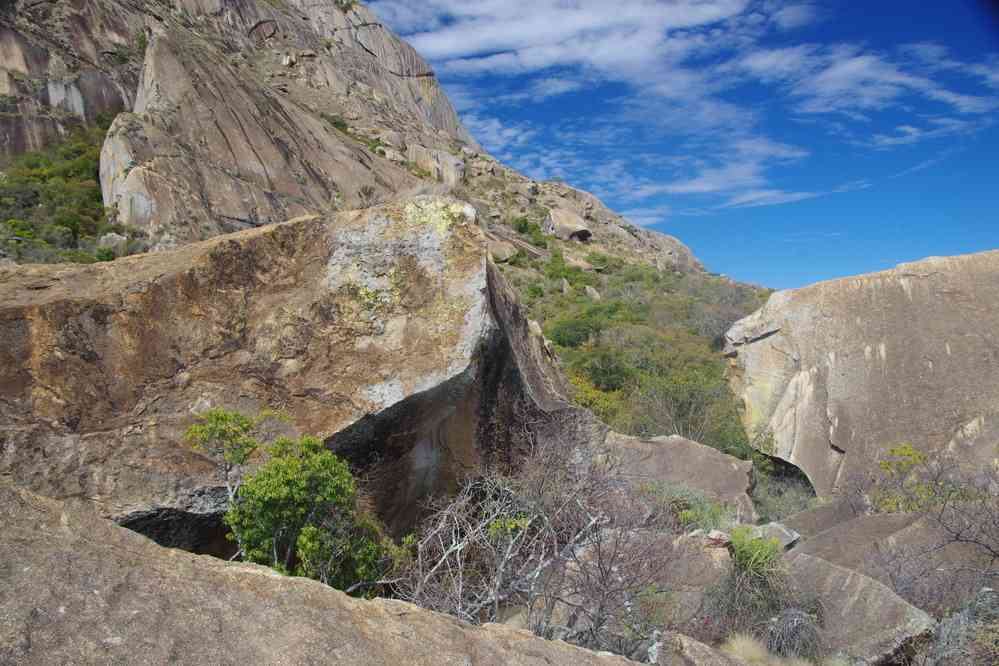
[[75, 589], [841, 371], [863, 619]]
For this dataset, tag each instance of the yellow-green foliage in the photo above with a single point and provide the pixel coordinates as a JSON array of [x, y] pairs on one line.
[[649, 342], [909, 482], [755, 556], [691, 508]]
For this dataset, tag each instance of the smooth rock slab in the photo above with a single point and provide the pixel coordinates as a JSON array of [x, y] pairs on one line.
[[842, 371], [75, 589]]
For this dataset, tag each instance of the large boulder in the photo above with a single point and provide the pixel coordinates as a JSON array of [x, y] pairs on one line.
[[566, 225], [841, 371], [385, 331], [440, 164], [862, 619], [679, 461], [75, 589]]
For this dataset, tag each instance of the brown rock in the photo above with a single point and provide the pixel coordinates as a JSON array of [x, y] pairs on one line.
[[680, 461], [864, 620], [841, 371], [501, 251], [79, 590], [385, 331]]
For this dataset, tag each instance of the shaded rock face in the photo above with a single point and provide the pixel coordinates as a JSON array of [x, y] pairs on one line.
[[385, 331], [79, 590], [842, 371]]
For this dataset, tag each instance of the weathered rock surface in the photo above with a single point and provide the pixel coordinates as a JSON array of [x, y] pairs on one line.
[[779, 532], [566, 225], [863, 619], [679, 461], [75, 589], [908, 552], [841, 371], [443, 166], [386, 331]]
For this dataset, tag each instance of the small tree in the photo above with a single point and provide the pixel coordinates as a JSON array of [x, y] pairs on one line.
[[298, 514], [229, 439]]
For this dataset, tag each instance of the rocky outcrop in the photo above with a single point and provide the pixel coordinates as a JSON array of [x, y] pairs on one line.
[[863, 620], [566, 225], [910, 553], [241, 113], [679, 461], [841, 371], [79, 590], [441, 165], [385, 331], [61, 65]]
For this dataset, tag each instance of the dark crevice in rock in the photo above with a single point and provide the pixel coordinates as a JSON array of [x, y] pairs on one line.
[[198, 533]]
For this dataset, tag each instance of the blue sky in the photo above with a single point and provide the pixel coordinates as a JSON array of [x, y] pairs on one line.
[[785, 142]]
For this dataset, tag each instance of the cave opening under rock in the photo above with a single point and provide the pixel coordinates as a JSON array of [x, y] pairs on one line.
[[198, 533]]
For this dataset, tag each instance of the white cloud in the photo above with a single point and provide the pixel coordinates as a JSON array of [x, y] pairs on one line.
[[680, 70], [495, 136], [795, 16], [755, 198], [647, 216]]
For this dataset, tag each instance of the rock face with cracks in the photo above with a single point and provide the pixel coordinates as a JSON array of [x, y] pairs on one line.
[[841, 371], [238, 113], [385, 331]]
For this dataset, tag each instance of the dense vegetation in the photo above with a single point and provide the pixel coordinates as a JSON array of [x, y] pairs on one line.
[[645, 356], [50, 202]]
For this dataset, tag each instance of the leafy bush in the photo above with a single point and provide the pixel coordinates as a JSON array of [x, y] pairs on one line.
[[532, 230], [753, 556], [298, 514]]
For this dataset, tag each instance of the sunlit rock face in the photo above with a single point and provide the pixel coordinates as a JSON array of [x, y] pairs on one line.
[[840, 372], [79, 590]]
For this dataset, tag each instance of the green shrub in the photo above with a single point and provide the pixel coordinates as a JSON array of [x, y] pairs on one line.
[[531, 230], [754, 556], [298, 514], [690, 508], [336, 122]]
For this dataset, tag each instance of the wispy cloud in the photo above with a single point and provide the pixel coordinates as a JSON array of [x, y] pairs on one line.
[[680, 71]]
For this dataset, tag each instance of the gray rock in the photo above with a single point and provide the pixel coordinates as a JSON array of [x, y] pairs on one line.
[[592, 293], [566, 287], [566, 225], [869, 623], [838, 386], [444, 166], [679, 461], [783, 534], [115, 242]]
